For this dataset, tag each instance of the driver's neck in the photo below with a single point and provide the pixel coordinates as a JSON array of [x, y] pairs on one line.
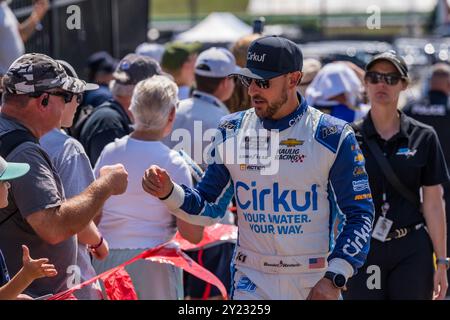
[[290, 106]]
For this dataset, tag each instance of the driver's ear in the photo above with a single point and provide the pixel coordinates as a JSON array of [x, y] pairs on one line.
[[295, 79]]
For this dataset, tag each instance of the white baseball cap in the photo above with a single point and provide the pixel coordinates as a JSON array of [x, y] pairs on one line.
[[216, 63], [152, 50]]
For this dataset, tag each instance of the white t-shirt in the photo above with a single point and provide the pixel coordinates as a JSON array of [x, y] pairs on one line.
[[11, 44], [135, 219], [202, 111]]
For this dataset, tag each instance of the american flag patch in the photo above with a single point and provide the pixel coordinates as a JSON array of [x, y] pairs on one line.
[[317, 263]]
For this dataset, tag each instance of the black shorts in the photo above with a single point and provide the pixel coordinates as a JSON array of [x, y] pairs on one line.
[[406, 270], [216, 259]]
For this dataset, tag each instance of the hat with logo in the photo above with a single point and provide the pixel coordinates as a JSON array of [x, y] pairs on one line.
[[12, 170], [36, 72], [270, 57], [177, 53], [393, 58], [215, 63], [134, 68]]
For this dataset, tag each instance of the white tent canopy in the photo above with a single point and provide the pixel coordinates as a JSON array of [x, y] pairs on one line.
[[289, 7], [216, 27]]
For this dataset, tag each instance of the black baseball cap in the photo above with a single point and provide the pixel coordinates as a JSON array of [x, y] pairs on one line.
[[134, 68], [393, 58], [101, 61], [271, 56]]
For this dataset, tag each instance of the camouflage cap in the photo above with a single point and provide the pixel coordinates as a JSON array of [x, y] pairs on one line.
[[36, 72]]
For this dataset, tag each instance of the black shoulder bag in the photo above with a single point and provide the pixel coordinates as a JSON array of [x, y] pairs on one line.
[[386, 167]]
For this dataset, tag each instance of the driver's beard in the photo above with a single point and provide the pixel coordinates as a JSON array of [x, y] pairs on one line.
[[273, 107]]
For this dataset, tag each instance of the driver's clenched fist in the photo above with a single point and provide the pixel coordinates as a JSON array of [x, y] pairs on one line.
[[157, 182]]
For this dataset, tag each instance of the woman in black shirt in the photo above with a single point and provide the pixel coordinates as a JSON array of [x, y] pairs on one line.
[[406, 232]]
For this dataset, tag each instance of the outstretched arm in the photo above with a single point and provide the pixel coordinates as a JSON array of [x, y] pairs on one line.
[[31, 270], [204, 205], [57, 224], [27, 28]]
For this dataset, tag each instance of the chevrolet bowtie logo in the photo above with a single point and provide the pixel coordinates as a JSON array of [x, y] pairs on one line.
[[292, 142]]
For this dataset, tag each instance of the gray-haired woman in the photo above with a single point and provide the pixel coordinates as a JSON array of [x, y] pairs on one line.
[[136, 221]]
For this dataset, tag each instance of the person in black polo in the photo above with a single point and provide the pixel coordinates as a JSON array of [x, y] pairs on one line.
[[112, 119], [434, 110], [400, 262]]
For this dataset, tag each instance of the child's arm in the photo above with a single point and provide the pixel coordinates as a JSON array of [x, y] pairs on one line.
[[31, 270]]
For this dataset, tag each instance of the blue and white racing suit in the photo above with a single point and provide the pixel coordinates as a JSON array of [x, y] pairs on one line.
[[291, 178]]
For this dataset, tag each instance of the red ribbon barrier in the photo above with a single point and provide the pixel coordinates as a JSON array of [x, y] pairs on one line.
[[118, 284], [211, 235]]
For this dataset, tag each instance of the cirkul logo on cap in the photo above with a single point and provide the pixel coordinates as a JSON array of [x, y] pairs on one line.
[[253, 56]]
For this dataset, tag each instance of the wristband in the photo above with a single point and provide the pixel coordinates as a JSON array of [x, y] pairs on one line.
[[97, 245], [444, 261], [170, 193]]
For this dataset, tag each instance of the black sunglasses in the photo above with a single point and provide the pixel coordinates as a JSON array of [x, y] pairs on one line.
[[247, 81], [389, 78], [67, 96], [79, 97]]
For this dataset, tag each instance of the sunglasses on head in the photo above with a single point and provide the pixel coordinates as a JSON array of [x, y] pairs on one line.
[[388, 78], [247, 81]]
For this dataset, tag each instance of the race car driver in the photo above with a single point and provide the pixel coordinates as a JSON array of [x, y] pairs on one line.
[[293, 170]]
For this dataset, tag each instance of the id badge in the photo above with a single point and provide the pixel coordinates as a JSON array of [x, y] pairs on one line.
[[382, 228]]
